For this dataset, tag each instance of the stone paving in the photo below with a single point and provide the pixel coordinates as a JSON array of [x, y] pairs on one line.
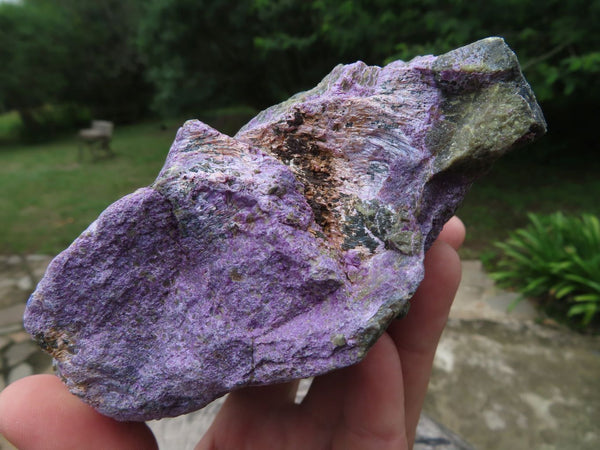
[[513, 380], [19, 356], [501, 381]]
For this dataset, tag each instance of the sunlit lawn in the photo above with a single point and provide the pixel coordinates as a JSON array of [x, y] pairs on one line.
[[48, 197]]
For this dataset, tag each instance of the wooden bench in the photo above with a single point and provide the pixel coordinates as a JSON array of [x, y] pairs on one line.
[[96, 139]]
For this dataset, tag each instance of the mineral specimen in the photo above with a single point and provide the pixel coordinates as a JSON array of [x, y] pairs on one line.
[[285, 251]]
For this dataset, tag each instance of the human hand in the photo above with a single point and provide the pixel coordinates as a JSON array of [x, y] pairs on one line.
[[374, 404]]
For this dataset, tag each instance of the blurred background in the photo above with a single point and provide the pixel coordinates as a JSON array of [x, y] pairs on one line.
[[148, 65]]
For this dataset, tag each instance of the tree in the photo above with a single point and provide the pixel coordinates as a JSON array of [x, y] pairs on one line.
[[199, 53], [77, 52], [32, 51], [113, 56], [105, 70]]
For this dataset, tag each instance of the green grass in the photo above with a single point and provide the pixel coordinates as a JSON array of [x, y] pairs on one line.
[[554, 179], [48, 197]]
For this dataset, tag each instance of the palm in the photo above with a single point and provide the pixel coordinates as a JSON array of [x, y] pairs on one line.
[[374, 404], [357, 407]]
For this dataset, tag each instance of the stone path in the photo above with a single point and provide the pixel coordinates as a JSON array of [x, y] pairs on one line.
[[19, 356], [501, 381]]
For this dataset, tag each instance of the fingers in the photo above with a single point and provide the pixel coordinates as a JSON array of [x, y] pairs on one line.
[[247, 413], [39, 412], [417, 335], [268, 397], [363, 403], [453, 233]]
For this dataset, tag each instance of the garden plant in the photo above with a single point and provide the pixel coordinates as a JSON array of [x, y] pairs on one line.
[[556, 258]]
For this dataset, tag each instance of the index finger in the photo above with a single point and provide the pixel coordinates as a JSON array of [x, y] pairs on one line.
[[417, 335]]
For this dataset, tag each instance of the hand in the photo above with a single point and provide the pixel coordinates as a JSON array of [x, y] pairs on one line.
[[375, 404]]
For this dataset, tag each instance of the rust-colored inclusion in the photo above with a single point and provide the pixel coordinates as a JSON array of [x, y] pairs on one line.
[[312, 164]]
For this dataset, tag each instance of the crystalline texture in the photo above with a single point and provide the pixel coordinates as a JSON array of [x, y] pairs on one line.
[[285, 251]]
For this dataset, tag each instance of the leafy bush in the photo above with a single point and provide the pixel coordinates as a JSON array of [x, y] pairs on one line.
[[76, 52], [202, 53], [48, 120], [555, 258], [10, 126]]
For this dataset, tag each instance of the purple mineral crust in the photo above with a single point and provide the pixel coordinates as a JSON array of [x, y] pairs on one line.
[[285, 251]]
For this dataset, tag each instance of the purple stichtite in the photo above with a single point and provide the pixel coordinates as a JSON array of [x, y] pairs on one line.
[[282, 252]]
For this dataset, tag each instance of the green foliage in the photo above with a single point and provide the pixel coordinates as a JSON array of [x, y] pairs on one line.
[[555, 40], [53, 119], [31, 50], [118, 57], [104, 70], [10, 127], [199, 53], [555, 258], [57, 52]]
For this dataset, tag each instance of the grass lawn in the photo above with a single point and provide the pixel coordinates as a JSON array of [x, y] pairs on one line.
[[542, 182], [48, 197]]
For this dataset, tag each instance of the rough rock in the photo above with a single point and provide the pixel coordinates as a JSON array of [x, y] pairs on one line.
[[285, 251]]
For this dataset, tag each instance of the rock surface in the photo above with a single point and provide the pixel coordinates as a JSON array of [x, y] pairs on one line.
[[283, 252]]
